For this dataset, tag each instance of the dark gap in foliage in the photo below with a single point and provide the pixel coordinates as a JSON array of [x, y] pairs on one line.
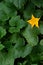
[[28, 59], [6, 25], [19, 12], [41, 8], [27, 2], [6, 37], [40, 36], [40, 62], [35, 50], [20, 60], [5, 50], [13, 6], [1, 0], [36, 8], [41, 18], [13, 44], [25, 42]]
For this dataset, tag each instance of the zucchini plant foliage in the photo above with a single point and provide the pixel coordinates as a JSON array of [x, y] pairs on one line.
[[18, 40]]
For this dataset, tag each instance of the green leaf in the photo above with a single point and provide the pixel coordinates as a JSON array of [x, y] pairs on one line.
[[38, 13], [7, 44], [34, 64], [41, 56], [19, 3], [14, 20], [41, 27], [6, 59], [6, 12], [16, 24], [27, 50], [28, 11], [22, 50], [19, 63], [16, 38], [41, 42], [38, 3], [24, 63], [13, 29], [3, 16], [30, 36], [36, 30], [35, 58], [2, 32], [1, 46]]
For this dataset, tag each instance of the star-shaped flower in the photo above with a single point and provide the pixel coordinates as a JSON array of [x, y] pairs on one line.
[[34, 21]]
